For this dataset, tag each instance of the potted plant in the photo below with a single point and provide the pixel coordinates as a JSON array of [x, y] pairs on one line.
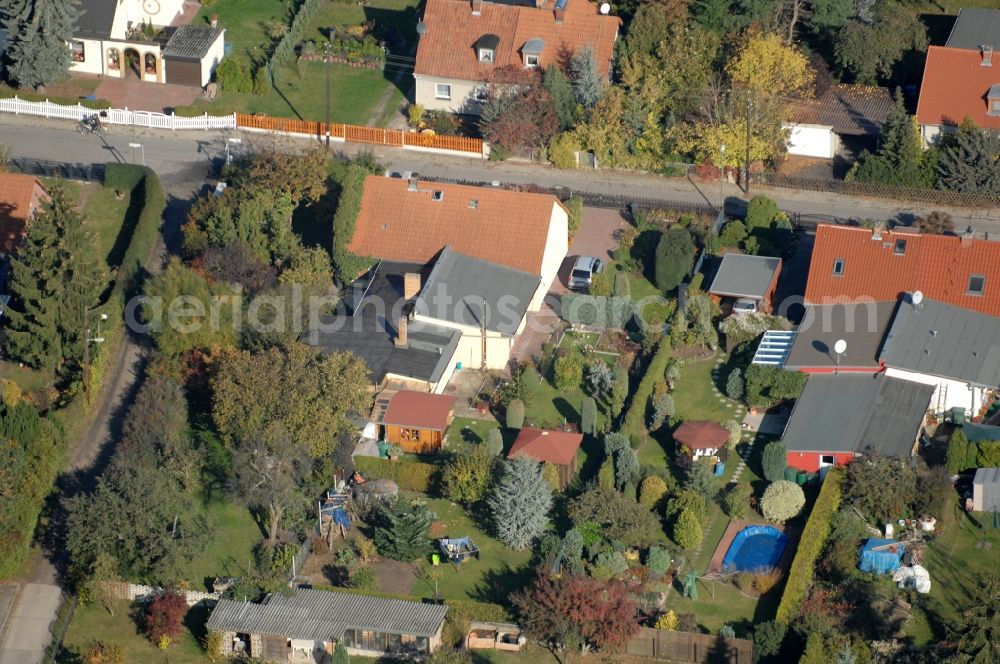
[[394, 452]]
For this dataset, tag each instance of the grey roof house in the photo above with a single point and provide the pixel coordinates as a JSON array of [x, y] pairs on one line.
[[975, 27], [309, 623], [861, 325], [845, 415], [747, 277], [956, 350]]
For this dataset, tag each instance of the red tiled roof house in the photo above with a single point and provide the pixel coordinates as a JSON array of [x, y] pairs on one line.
[[556, 447], [417, 421], [463, 41], [959, 82], [20, 197]]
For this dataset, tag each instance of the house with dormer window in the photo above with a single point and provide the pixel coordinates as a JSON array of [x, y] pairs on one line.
[[962, 78], [463, 41]]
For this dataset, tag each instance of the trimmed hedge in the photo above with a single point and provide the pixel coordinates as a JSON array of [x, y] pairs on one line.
[[410, 475], [597, 311], [296, 31], [347, 265], [95, 104], [811, 545], [635, 417]]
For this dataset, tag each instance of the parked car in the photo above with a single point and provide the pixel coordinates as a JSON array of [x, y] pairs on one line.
[[745, 306], [583, 272]]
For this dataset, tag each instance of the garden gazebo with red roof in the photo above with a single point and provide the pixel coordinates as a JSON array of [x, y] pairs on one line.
[[701, 438]]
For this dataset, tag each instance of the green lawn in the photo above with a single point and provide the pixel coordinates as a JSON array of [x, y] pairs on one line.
[[954, 564], [694, 398], [497, 573], [468, 431], [92, 622], [105, 223], [27, 379], [244, 23], [301, 88], [300, 94], [727, 606], [229, 548]]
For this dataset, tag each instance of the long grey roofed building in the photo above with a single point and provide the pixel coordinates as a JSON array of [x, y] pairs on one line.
[[323, 615], [975, 27], [741, 275], [862, 326], [458, 285], [942, 340], [370, 333], [857, 413]]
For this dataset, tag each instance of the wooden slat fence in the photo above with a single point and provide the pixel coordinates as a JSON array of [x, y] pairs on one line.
[[361, 134], [687, 648]]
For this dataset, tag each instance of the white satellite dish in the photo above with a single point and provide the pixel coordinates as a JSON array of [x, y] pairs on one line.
[[917, 297], [840, 346], [605, 8]]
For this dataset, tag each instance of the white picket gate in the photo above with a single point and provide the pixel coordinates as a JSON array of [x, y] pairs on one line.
[[118, 116]]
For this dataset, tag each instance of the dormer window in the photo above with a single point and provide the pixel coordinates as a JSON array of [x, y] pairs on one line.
[[486, 48], [977, 284], [532, 51], [993, 100], [838, 267]]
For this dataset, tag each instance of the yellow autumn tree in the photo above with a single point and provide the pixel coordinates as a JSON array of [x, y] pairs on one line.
[[770, 68], [668, 620], [704, 140]]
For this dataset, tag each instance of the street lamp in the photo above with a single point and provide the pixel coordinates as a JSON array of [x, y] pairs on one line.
[[326, 63], [839, 349], [229, 155], [722, 174], [87, 340], [138, 146]]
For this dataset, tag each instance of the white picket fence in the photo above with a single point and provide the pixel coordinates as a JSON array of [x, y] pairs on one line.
[[118, 116]]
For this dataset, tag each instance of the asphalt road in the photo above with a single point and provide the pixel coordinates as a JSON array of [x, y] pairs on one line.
[[177, 155]]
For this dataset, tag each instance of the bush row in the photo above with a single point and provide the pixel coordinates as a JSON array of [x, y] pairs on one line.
[[409, 474], [96, 104], [811, 544], [347, 265], [635, 417], [296, 31], [597, 311]]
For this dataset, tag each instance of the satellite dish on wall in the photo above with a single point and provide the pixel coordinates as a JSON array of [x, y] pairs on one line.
[[840, 346], [421, 28], [917, 297], [605, 8]]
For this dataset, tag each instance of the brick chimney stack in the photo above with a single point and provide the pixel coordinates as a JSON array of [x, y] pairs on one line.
[[987, 52], [411, 285], [477, 7], [402, 341]]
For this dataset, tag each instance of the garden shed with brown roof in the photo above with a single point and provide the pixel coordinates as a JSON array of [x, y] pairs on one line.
[[701, 438], [556, 447], [417, 421]]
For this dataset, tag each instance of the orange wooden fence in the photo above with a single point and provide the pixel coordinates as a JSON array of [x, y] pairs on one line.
[[357, 134]]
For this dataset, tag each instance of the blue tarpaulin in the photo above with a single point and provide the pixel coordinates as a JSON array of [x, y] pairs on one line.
[[881, 556]]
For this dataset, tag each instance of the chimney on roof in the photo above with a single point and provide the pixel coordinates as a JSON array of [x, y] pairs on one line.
[[987, 52], [411, 285], [401, 339], [411, 183], [539, 4], [477, 7], [877, 231], [968, 236], [560, 10]]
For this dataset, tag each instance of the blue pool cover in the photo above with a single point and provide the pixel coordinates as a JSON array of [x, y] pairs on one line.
[[755, 547]]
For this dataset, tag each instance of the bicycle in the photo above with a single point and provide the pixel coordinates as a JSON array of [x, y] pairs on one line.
[[92, 126]]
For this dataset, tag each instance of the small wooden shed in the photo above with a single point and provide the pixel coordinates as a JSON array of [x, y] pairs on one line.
[[556, 447], [417, 421]]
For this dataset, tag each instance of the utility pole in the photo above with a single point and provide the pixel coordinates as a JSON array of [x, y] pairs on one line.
[[722, 176], [326, 64], [746, 184], [482, 332]]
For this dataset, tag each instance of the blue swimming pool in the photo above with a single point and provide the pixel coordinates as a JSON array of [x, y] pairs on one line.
[[755, 547]]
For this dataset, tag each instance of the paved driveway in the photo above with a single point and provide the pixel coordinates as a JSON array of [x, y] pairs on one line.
[[27, 631], [139, 95]]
